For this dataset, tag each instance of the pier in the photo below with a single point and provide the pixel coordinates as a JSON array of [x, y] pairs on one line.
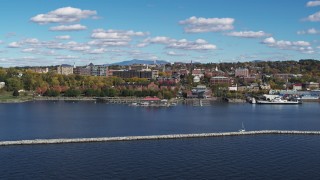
[[119, 100], [155, 137]]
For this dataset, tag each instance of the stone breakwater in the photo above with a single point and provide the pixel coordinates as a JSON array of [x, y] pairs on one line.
[[154, 137]]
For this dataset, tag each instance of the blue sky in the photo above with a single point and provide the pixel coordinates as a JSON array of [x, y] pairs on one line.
[[51, 32]]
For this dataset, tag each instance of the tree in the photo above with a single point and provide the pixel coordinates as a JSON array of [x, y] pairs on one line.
[[14, 83], [72, 93], [15, 93]]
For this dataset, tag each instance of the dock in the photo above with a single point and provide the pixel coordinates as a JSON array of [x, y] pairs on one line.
[[155, 137]]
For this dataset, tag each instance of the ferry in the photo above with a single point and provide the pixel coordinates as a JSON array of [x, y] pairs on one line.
[[278, 100]]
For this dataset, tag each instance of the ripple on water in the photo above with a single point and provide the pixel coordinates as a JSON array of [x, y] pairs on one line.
[[247, 157]]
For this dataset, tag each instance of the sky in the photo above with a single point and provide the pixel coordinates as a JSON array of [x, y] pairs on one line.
[[54, 32]]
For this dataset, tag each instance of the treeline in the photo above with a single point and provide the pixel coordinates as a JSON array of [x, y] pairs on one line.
[[306, 66], [111, 92], [52, 84]]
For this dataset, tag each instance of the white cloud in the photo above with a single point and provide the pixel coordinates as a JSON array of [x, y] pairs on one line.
[[313, 3], [31, 41], [199, 44], [115, 34], [38, 51], [199, 25], [14, 45], [313, 17], [63, 15], [158, 40], [112, 37], [1, 42], [173, 53], [269, 40], [301, 46], [97, 51], [29, 50], [74, 46], [248, 34], [74, 27], [71, 45], [67, 57], [309, 31], [108, 43], [63, 37]]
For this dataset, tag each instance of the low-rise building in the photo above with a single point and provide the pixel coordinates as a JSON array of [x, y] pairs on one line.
[[184, 72], [222, 80], [2, 85], [65, 69], [197, 72], [40, 70], [196, 79], [201, 91], [312, 85], [297, 87]]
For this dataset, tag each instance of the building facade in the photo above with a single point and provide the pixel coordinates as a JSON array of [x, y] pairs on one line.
[[222, 80], [65, 69], [242, 72], [2, 84]]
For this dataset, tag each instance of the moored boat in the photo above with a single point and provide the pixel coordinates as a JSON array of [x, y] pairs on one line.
[[278, 100]]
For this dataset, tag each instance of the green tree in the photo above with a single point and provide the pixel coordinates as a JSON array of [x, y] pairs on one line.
[[14, 83]]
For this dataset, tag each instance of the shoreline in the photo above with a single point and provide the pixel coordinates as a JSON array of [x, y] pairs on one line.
[[155, 137]]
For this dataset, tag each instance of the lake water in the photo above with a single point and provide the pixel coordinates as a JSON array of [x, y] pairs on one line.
[[243, 157]]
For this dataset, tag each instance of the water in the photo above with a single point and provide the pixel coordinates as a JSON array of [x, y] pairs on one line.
[[247, 157]]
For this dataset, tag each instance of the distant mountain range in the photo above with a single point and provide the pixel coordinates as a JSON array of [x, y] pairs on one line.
[[137, 61]]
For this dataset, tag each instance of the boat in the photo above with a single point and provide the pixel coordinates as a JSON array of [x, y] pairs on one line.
[[253, 101], [173, 104], [242, 129], [278, 100], [309, 97], [144, 104]]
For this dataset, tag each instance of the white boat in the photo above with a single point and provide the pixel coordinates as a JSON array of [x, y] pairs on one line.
[[144, 104], [253, 101], [278, 100], [309, 97], [173, 104], [242, 129]]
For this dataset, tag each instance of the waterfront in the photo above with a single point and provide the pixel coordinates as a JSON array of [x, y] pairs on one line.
[[43, 120], [242, 157]]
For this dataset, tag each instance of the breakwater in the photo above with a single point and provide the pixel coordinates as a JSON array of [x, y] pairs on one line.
[[154, 137]]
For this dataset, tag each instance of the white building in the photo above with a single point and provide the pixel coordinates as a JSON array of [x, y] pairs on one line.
[[2, 84], [196, 79]]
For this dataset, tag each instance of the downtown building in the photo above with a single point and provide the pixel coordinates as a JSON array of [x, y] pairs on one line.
[[242, 72], [148, 74], [65, 69], [92, 70]]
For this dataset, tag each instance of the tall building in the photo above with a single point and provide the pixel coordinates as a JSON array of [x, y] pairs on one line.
[[98, 70], [92, 70], [242, 72], [83, 71]]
